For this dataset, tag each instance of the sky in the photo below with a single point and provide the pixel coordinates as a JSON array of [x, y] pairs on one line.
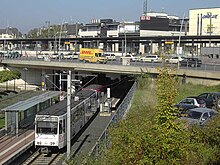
[[28, 14]]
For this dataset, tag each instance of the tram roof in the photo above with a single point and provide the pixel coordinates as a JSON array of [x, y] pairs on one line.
[[24, 105], [61, 107]]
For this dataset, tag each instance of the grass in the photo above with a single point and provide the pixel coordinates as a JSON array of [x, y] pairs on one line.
[[2, 122], [145, 97], [146, 92], [189, 89]]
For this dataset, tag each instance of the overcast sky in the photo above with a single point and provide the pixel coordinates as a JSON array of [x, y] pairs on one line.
[[27, 14]]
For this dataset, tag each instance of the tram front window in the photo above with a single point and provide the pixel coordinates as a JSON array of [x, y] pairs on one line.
[[44, 127]]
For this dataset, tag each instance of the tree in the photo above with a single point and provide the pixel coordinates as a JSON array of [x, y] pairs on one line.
[[9, 75]]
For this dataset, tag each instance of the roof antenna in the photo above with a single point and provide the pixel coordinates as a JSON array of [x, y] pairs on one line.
[[145, 7]]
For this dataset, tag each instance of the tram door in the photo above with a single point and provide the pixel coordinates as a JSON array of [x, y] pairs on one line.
[[62, 133]]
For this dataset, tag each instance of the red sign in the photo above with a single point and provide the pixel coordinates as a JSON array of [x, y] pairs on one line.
[[148, 18], [142, 18], [86, 52]]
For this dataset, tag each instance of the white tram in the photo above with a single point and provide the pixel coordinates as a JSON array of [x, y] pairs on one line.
[[50, 124]]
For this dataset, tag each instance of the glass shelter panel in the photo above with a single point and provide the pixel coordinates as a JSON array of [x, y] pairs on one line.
[[11, 122]]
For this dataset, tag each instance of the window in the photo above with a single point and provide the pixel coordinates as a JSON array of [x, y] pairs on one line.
[[64, 126], [205, 116], [60, 127], [21, 114], [210, 97], [211, 114], [46, 127], [188, 101], [194, 115], [204, 95]]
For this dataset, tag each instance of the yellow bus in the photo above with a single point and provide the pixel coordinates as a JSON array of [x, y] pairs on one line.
[[92, 55]]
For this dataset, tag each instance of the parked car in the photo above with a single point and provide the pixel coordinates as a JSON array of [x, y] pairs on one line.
[[193, 100], [71, 56], [212, 99], [57, 55], [198, 116], [183, 108], [11, 54], [191, 62], [132, 58], [110, 57], [151, 58], [42, 56], [175, 59]]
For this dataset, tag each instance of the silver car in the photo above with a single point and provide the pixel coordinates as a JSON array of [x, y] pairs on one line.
[[198, 116], [151, 58]]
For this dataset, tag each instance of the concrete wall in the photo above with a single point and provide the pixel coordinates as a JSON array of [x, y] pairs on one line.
[[205, 82]]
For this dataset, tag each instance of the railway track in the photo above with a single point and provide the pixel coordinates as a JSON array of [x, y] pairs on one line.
[[38, 158]]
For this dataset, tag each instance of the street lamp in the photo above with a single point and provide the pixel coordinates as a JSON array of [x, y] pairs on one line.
[[25, 78], [61, 30], [210, 27], [125, 40], [48, 33]]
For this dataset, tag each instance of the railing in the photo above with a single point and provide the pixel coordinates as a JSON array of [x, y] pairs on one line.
[[120, 112], [208, 64]]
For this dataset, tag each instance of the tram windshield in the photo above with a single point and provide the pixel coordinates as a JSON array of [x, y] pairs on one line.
[[46, 127]]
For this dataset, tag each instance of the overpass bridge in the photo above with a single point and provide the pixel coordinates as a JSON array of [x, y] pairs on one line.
[[37, 68]]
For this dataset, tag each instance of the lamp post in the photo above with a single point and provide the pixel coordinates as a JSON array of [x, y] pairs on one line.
[[25, 78], [125, 40], [76, 36], [61, 29], [68, 109], [210, 26], [179, 49], [48, 30], [68, 114]]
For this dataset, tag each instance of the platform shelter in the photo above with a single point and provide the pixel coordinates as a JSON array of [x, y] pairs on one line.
[[22, 114]]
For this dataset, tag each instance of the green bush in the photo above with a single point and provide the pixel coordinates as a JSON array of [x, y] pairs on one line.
[[150, 133], [9, 75]]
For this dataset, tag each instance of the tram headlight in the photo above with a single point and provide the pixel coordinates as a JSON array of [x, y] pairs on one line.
[[39, 143], [52, 143]]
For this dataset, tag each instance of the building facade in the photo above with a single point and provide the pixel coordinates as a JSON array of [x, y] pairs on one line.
[[205, 21], [160, 24]]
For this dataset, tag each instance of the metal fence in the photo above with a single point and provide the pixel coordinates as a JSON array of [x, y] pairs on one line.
[[103, 141], [208, 64]]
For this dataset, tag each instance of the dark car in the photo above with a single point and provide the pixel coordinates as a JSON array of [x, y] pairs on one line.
[[191, 62], [212, 99], [183, 108]]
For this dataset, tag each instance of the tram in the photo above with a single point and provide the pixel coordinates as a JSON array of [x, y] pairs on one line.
[[51, 123]]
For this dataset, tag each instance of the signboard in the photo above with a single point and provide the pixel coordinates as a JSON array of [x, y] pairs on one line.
[[143, 18], [215, 16], [179, 50], [67, 43], [148, 18], [169, 42]]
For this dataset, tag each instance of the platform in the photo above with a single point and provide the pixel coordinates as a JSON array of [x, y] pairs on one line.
[[13, 146]]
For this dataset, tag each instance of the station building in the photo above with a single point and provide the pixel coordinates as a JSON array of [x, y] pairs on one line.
[[110, 28], [205, 21], [160, 24]]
